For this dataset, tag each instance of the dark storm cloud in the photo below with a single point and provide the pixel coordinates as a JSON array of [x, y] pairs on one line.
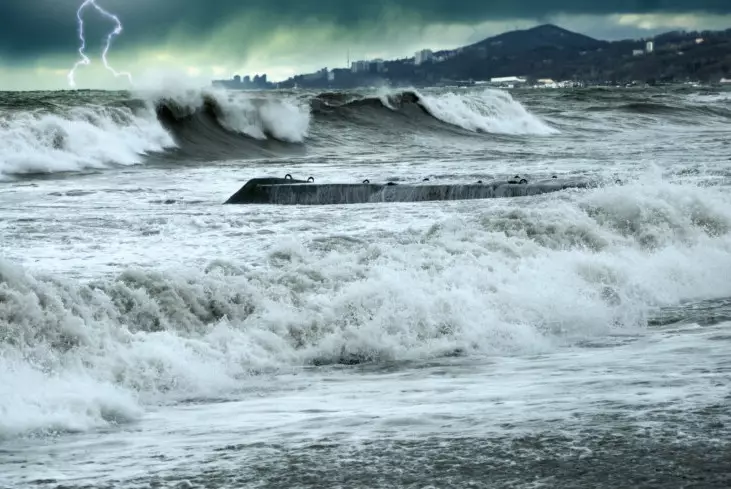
[[31, 28]]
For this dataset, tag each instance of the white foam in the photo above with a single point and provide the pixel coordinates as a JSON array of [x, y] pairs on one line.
[[714, 98], [94, 136], [492, 111], [79, 355], [46, 401], [254, 114], [81, 138]]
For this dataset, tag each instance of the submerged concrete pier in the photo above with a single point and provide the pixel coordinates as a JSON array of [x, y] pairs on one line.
[[288, 191]]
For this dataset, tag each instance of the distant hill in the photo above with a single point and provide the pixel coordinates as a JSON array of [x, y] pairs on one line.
[[549, 51], [535, 52], [547, 36]]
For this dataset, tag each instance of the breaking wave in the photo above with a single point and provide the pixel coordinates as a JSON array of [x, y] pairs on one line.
[[62, 133], [56, 132], [489, 111], [69, 139], [75, 355], [228, 125]]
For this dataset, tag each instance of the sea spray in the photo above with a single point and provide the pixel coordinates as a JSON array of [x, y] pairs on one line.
[[77, 138], [490, 111], [284, 118], [98, 131], [79, 354]]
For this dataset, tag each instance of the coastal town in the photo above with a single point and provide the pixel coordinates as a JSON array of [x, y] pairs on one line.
[[545, 56]]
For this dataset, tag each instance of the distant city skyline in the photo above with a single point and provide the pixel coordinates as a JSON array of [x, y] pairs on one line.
[[515, 58], [198, 41]]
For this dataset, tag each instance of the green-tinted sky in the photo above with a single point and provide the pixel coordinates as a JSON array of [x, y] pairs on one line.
[[204, 39]]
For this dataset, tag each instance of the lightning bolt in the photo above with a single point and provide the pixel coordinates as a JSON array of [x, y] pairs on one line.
[[110, 37]]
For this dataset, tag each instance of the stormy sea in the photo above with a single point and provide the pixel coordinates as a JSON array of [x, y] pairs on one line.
[[153, 337]]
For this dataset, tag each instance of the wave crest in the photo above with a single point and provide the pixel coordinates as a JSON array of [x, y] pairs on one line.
[[77, 355], [77, 138], [283, 119], [63, 133], [489, 111]]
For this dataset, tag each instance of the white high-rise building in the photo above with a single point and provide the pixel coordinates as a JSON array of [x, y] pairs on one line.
[[422, 56], [359, 66], [649, 47]]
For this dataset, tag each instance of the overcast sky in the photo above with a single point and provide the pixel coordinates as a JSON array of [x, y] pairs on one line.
[[205, 39]]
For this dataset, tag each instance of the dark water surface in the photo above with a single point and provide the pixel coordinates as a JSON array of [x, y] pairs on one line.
[[152, 337]]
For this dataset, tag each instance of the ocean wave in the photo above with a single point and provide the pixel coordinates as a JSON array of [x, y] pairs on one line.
[[77, 355], [59, 132], [488, 111], [672, 109], [219, 124], [71, 139], [63, 133]]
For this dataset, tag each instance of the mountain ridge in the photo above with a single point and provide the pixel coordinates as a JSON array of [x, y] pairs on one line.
[[545, 34], [550, 51]]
